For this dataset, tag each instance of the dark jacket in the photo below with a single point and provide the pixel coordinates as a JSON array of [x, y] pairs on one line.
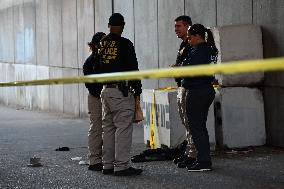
[[182, 54], [200, 54], [91, 67], [117, 55]]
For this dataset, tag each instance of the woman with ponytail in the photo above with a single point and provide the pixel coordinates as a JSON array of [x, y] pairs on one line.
[[199, 93]]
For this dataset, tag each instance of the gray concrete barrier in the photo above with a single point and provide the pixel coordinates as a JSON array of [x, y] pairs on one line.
[[239, 117], [239, 42], [168, 126]]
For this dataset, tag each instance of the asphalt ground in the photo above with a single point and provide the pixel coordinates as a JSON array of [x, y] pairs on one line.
[[25, 134]]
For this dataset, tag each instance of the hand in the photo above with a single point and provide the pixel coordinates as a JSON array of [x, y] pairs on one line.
[[137, 98], [138, 117]]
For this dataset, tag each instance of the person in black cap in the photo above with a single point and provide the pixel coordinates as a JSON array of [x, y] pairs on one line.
[[118, 100], [94, 105]]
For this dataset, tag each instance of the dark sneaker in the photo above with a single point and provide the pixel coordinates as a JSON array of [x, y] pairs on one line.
[[188, 162], [96, 167], [180, 159], [199, 167], [128, 172], [107, 171]]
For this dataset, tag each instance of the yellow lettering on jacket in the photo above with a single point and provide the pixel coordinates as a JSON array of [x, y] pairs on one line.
[[112, 43], [111, 51]]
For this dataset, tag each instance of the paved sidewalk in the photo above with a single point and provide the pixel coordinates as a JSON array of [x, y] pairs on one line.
[[24, 134]]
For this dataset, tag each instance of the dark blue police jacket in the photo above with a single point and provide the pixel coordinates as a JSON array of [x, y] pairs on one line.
[[200, 54]]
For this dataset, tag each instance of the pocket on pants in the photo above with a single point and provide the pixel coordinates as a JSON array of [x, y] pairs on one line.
[[124, 116]]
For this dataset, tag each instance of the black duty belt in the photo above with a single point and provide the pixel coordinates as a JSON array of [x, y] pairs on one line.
[[121, 86]]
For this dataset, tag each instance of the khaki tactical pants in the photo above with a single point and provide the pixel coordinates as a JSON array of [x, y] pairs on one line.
[[95, 132], [117, 118], [181, 101]]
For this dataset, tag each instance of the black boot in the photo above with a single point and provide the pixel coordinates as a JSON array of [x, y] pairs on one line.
[[189, 161], [96, 167], [180, 159]]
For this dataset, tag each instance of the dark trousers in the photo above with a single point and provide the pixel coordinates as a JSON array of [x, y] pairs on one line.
[[198, 102]]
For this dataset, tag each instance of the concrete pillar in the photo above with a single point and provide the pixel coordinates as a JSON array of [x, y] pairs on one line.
[[7, 35], [55, 32], [103, 10], [203, 12], [11, 91], [30, 72], [85, 21], [71, 104], [56, 91], [20, 91], [274, 106], [19, 31], [146, 37], [42, 48], [3, 79], [29, 15], [42, 93], [231, 12], [69, 32], [269, 15], [168, 43], [126, 8]]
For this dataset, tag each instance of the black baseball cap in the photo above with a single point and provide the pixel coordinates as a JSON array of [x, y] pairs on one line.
[[97, 38], [116, 19]]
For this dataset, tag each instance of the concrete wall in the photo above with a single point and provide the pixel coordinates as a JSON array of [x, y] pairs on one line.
[[166, 36], [149, 24], [51, 35], [274, 119], [269, 14], [103, 9], [42, 39], [146, 36]]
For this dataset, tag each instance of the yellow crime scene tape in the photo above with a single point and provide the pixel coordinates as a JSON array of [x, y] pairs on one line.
[[275, 64], [153, 127]]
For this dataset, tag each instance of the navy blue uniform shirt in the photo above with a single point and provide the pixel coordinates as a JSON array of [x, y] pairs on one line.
[[91, 67], [200, 54], [182, 54], [117, 55]]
